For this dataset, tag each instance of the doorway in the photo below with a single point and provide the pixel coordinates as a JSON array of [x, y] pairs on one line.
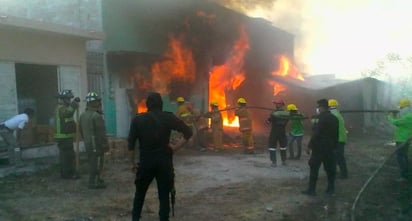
[[37, 87]]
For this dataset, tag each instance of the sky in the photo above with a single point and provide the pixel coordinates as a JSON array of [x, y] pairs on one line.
[[341, 37]]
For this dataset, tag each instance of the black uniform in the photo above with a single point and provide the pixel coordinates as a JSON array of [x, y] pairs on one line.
[[278, 119], [323, 143], [152, 130]]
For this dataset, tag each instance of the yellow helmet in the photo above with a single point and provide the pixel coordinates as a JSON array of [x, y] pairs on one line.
[[214, 103], [291, 107], [180, 99], [241, 100], [404, 102], [333, 103]]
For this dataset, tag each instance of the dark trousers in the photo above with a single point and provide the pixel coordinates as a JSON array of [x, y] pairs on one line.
[[402, 158], [327, 158], [340, 159], [95, 161], [66, 157], [200, 139], [149, 169], [298, 140]]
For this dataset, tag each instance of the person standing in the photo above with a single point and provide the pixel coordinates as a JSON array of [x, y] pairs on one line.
[[152, 131], [278, 120], [340, 149], [184, 112], [245, 126], [93, 131], [65, 130], [7, 128], [202, 125], [217, 125], [296, 131], [322, 146], [403, 135]]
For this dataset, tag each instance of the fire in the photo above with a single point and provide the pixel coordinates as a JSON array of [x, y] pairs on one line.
[[226, 78], [277, 87], [141, 106], [179, 65], [286, 69]]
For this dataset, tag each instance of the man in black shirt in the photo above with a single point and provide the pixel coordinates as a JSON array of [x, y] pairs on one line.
[[152, 131], [322, 144]]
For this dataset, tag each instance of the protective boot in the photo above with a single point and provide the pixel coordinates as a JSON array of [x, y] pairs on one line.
[[272, 155], [283, 156]]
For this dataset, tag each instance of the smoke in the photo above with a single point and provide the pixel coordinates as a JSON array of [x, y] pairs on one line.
[[342, 37]]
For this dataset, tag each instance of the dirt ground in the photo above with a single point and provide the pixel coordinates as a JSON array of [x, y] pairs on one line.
[[219, 186]]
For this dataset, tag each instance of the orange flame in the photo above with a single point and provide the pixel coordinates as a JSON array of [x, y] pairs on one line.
[[179, 65], [141, 106], [229, 76], [286, 69]]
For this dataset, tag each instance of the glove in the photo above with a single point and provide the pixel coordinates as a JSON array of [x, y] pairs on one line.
[[77, 99]]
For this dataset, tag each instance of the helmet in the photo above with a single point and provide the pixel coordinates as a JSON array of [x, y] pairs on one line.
[[291, 107], [92, 96], [180, 99], [241, 100], [279, 101], [65, 94], [333, 103], [214, 103], [404, 102]]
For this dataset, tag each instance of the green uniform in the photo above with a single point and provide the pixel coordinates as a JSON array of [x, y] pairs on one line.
[[403, 131], [93, 131], [65, 127]]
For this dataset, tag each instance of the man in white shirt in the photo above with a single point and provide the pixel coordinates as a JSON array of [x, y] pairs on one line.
[[7, 128]]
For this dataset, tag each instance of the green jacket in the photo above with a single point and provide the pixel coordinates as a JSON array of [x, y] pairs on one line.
[[65, 126], [296, 124], [93, 130], [342, 130], [403, 126]]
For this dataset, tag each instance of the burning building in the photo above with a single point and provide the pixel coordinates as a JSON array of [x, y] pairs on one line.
[[198, 50]]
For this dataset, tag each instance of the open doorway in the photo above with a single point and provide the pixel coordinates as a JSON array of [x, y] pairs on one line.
[[37, 87]]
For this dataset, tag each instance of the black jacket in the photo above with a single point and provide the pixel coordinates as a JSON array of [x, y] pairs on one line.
[[152, 130], [325, 132]]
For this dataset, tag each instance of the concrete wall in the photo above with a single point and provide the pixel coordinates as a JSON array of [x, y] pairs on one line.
[[83, 14], [31, 47]]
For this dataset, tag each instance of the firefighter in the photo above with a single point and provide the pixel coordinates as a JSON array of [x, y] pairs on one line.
[[296, 131], [403, 134], [340, 149], [216, 125], [278, 120], [245, 125], [202, 125], [152, 131], [65, 127], [184, 112], [322, 146], [93, 131]]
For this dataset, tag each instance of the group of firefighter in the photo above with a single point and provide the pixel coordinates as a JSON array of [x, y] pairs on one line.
[[199, 122], [90, 127], [280, 117]]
